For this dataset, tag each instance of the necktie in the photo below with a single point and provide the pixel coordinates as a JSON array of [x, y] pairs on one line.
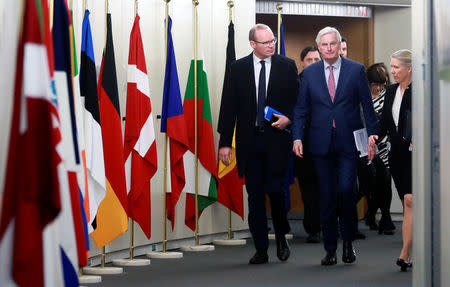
[[331, 84], [261, 95], [331, 87]]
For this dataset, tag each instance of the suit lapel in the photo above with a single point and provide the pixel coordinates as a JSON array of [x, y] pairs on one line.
[[323, 83], [251, 81], [343, 74], [272, 75]]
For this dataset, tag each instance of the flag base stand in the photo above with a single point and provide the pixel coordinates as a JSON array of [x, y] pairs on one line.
[[89, 279], [230, 242], [288, 236], [131, 262], [197, 248], [165, 255], [102, 270]]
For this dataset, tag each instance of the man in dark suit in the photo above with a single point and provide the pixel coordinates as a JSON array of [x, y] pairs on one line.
[[304, 167], [261, 79], [330, 94]]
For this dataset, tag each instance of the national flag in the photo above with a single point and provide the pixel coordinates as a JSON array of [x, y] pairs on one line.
[[112, 219], [69, 225], [206, 153], [30, 205], [8, 53], [81, 166], [229, 186], [174, 125], [140, 158], [92, 128]]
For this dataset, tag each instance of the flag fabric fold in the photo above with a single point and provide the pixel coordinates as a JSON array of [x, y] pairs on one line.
[[140, 145], [112, 218], [95, 165], [81, 166], [70, 233], [207, 166], [229, 190], [28, 206], [174, 125]]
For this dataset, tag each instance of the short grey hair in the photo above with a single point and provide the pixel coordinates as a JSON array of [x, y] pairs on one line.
[[251, 34], [404, 56], [328, 30]]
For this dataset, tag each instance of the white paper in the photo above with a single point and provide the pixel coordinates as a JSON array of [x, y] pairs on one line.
[[361, 141]]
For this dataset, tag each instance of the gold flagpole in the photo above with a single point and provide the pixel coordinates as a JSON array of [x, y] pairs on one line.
[[103, 257], [106, 31], [52, 4], [135, 7], [230, 6], [132, 221], [230, 11], [132, 240], [106, 21], [84, 7], [279, 8], [195, 2], [166, 142]]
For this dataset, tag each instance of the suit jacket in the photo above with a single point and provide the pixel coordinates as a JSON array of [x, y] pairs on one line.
[[239, 108], [314, 104], [400, 138]]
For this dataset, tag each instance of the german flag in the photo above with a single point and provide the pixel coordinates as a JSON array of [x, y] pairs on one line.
[[112, 219]]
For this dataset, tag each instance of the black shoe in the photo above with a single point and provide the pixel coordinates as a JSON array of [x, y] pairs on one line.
[[372, 224], [403, 264], [348, 253], [283, 251], [386, 226], [329, 259], [313, 238], [260, 257], [359, 235]]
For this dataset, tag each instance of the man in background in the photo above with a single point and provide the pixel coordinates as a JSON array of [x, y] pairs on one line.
[[343, 50], [304, 167]]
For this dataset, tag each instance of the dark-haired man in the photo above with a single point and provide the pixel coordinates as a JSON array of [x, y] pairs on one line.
[[304, 167]]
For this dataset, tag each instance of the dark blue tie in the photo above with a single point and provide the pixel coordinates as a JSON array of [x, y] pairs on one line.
[[261, 95]]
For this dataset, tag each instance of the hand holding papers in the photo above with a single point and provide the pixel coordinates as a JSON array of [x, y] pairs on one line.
[[362, 144]]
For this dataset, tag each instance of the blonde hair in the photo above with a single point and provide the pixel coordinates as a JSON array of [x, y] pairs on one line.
[[404, 56]]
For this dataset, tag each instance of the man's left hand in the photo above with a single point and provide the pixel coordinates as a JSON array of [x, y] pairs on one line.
[[371, 151], [282, 122]]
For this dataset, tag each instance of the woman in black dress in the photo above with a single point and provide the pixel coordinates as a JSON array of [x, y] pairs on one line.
[[396, 124], [376, 174]]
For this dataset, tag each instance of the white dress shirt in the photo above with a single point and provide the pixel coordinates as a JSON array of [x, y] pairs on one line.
[[336, 71], [257, 69], [396, 106]]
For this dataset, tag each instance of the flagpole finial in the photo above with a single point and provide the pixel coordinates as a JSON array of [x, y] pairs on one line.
[[167, 1], [195, 2], [230, 4], [279, 6]]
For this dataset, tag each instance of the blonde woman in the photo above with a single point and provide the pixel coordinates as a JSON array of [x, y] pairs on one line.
[[396, 124]]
